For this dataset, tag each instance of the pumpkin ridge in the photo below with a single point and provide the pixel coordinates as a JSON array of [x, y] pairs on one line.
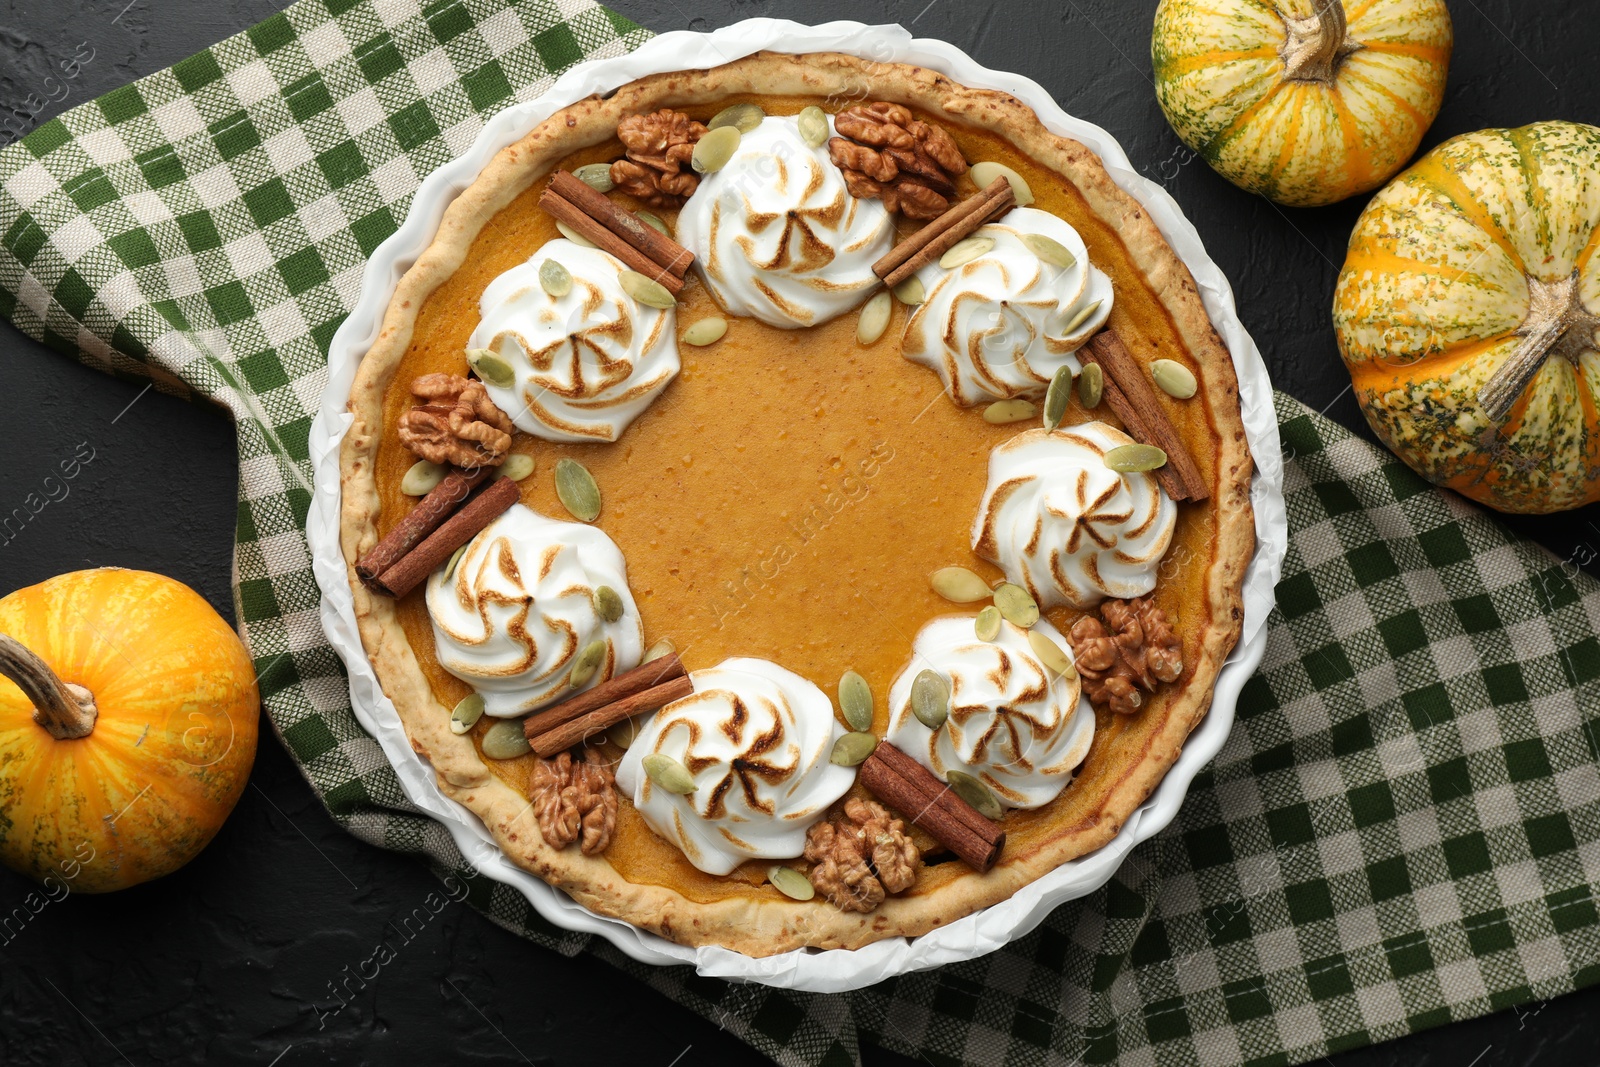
[[1361, 9], [1220, 141], [1395, 98], [1357, 154], [1291, 136], [1192, 63], [1425, 53], [1431, 174], [1440, 364], [1378, 259], [1535, 195]]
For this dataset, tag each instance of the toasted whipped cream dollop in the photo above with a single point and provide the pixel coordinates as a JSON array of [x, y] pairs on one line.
[[999, 326], [1013, 724], [587, 363], [757, 739], [1066, 527], [778, 237], [519, 606]]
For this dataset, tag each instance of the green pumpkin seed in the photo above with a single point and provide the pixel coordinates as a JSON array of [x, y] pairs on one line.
[[423, 477], [987, 624], [1050, 654], [813, 123], [1049, 250], [965, 251], [852, 749], [654, 222], [1091, 385], [646, 291], [596, 176], [608, 604], [554, 278], [1176, 380], [506, 740], [668, 773], [589, 659], [974, 792], [491, 368], [959, 585], [466, 713], [1002, 412], [744, 117], [574, 236], [660, 650], [791, 883], [455, 558], [855, 701], [1132, 459], [517, 466], [577, 490], [1057, 397], [1016, 604], [708, 331], [930, 699], [910, 292], [875, 314], [712, 152], [985, 174], [1080, 318]]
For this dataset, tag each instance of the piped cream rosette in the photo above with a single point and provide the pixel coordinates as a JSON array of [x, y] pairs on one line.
[[512, 616], [1014, 724], [776, 234], [999, 326], [584, 364], [756, 738], [1066, 527]]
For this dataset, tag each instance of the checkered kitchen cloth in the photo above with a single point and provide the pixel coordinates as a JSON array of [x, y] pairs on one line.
[[1403, 829]]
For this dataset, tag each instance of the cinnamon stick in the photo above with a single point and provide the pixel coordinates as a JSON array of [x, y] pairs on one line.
[[625, 224], [463, 526], [1133, 398], [645, 676], [911, 789], [420, 521], [563, 737], [574, 216], [940, 235]]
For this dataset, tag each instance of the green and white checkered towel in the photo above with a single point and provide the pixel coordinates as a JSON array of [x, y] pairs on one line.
[[1404, 828]]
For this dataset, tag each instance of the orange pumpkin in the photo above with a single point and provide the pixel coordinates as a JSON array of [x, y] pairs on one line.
[[127, 727]]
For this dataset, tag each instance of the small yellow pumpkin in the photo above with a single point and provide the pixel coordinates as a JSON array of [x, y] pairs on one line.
[[128, 719], [1467, 312], [1303, 101]]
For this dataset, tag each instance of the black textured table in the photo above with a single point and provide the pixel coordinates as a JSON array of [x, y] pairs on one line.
[[228, 960]]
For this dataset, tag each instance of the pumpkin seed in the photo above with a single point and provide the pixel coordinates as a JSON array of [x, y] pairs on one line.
[[654, 222], [959, 585], [708, 331], [974, 792], [965, 251], [985, 173], [607, 604], [466, 714], [874, 318], [517, 466], [910, 292], [506, 740], [668, 773], [852, 749], [987, 624], [589, 659], [455, 557], [712, 151], [1176, 380], [813, 123], [855, 701], [574, 236], [1003, 411], [791, 883], [1050, 654], [577, 490], [554, 278], [1057, 397], [596, 176], [1131, 459], [745, 117], [660, 650], [1091, 385], [423, 477], [1080, 318], [930, 699], [491, 368], [647, 291], [1049, 250], [1016, 604]]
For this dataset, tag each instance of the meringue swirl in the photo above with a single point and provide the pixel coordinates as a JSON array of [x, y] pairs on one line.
[[757, 739], [996, 327], [587, 363], [777, 236], [1013, 724], [519, 607], [1066, 527]]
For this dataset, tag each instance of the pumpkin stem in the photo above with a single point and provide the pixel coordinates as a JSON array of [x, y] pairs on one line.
[[1557, 321], [1316, 44], [64, 709]]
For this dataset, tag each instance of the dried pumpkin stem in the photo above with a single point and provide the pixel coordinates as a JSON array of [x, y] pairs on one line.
[[1315, 45], [1557, 322], [66, 710]]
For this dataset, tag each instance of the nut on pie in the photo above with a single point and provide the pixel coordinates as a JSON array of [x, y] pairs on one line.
[[816, 511]]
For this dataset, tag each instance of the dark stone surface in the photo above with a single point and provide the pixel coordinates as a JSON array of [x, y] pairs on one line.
[[223, 962]]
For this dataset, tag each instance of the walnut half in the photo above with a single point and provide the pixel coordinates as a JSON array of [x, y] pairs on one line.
[[884, 152], [860, 855], [656, 151], [575, 801], [1130, 648], [456, 423]]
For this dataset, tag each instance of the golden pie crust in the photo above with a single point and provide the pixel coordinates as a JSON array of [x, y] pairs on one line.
[[1130, 754]]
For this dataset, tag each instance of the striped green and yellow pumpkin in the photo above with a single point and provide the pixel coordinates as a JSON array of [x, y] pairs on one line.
[[1467, 312], [1303, 101]]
